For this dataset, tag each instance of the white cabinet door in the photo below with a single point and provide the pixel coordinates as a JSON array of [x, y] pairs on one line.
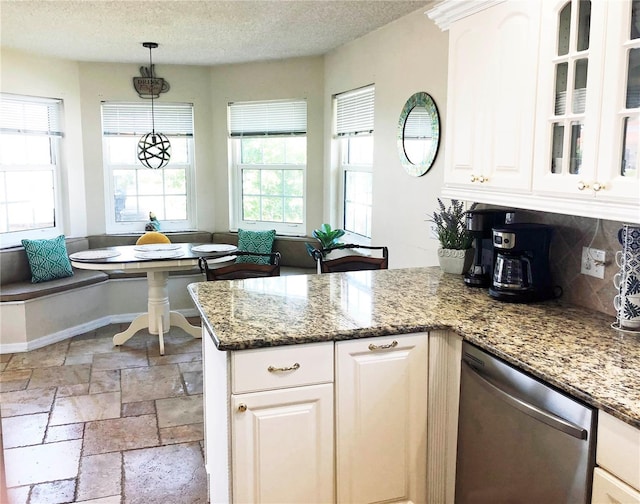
[[381, 419], [282, 445], [493, 57], [608, 489]]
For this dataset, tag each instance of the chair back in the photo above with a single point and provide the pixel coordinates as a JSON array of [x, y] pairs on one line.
[[152, 237], [241, 270], [353, 262]]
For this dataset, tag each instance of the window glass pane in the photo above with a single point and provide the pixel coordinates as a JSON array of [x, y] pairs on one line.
[[175, 208], [564, 30], [576, 148], [149, 181], [28, 199], [251, 208], [633, 79], [272, 182], [16, 149], [179, 150], [630, 146], [584, 24], [557, 148], [250, 181], [580, 86], [358, 200], [635, 20], [358, 150], [561, 88], [274, 150], [272, 209], [296, 150], [154, 203], [293, 210], [293, 183], [175, 181], [122, 150]]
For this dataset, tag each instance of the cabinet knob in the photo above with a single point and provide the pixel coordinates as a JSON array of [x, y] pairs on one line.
[[473, 178], [597, 186], [393, 344], [242, 407], [582, 186], [482, 179]]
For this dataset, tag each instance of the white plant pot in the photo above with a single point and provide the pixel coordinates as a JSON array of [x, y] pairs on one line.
[[455, 261]]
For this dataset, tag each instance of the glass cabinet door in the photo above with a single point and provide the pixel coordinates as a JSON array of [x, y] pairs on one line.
[[628, 166], [571, 71]]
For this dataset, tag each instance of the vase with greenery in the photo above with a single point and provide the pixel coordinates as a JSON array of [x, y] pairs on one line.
[[455, 254], [327, 237]]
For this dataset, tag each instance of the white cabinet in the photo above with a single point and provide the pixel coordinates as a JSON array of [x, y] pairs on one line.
[[493, 57], [588, 103], [381, 419], [617, 477]]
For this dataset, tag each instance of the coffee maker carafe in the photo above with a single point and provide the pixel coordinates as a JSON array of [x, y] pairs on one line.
[[480, 223], [521, 271]]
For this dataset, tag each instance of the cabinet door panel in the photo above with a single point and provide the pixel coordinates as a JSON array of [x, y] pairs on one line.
[[381, 420], [283, 445], [610, 490]]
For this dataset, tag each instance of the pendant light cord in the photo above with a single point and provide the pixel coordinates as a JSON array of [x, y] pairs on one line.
[[153, 122]]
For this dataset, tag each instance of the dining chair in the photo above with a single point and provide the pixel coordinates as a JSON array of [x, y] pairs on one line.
[[241, 270], [352, 262]]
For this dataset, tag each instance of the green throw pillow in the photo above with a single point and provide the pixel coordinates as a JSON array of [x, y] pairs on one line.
[[255, 241], [48, 259]]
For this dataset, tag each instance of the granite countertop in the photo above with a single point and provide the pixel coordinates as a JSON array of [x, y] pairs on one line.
[[571, 348]]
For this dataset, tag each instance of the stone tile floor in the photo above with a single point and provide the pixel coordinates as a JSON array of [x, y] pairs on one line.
[[84, 421]]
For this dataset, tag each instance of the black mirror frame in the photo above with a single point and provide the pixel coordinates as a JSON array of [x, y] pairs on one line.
[[420, 99]]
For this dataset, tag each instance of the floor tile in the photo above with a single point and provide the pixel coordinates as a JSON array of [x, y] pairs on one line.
[[56, 492], [26, 402], [139, 408], [179, 411], [105, 381], [51, 355], [17, 379], [173, 473], [158, 360], [120, 360], [18, 495], [114, 499], [156, 382], [73, 390], [24, 430], [120, 434], [193, 382], [60, 376], [182, 434], [100, 476], [42, 463], [57, 433], [85, 408]]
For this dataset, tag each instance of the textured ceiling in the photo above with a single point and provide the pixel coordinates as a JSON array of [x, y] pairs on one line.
[[193, 32]]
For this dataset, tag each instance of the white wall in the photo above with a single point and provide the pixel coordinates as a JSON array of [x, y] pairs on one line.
[[26, 74], [113, 82], [273, 80], [401, 58]]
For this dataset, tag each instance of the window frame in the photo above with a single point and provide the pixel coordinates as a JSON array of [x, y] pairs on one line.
[[55, 135], [236, 167], [341, 136], [117, 227]]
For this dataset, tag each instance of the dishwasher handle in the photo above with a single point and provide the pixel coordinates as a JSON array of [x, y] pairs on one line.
[[546, 417]]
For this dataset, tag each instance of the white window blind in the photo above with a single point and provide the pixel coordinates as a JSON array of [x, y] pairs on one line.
[[418, 124], [354, 112], [272, 118], [29, 115], [134, 119]]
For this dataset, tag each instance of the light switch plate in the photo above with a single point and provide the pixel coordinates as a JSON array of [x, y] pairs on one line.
[[593, 261]]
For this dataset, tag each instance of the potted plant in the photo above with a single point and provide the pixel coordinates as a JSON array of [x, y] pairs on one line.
[[455, 254], [327, 237]]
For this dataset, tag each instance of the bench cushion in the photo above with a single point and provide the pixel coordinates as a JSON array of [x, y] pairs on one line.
[[25, 290]]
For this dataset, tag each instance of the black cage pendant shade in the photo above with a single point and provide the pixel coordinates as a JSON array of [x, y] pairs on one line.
[[154, 149]]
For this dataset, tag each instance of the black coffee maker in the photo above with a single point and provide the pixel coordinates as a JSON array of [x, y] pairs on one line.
[[480, 223], [521, 271]]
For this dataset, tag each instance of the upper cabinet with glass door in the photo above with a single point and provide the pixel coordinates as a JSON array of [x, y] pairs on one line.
[[587, 108]]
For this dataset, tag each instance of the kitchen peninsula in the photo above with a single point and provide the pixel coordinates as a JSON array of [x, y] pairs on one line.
[[573, 349]]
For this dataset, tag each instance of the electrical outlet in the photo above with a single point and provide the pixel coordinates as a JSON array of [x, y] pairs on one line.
[[593, 261], [433, 231]]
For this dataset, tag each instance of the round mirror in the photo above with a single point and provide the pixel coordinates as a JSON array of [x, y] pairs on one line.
[[418, 134]]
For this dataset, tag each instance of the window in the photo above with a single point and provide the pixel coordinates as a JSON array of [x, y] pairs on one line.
[[354, 135], [30, 135], [132, 190], [268, 147]]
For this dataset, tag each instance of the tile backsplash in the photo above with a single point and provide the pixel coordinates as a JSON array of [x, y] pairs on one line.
[[571, 234]]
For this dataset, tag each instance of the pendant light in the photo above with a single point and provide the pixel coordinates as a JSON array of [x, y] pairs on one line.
[[154, 149]]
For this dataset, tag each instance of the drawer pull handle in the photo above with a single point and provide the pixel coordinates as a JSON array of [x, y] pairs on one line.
[[242, 407], [273, 369], [597, 186], [582, 186], [393, 344]]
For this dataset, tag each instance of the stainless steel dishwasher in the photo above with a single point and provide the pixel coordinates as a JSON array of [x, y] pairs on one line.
[[519, 440]]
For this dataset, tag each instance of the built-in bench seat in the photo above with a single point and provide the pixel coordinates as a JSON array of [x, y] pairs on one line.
[[35, 315]]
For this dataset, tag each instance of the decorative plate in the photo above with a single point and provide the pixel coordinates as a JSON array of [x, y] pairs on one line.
[[214, 247], [159, 254], [92, 255], [150, 247]]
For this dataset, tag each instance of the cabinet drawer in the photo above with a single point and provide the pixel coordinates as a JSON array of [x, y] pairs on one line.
[[618, 449], [280, 367], [608, 489]]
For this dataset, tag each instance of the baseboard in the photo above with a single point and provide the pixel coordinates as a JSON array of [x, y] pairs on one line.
[[49, 339]]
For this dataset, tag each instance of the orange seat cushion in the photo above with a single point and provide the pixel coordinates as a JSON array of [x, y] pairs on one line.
[[152, 237]]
